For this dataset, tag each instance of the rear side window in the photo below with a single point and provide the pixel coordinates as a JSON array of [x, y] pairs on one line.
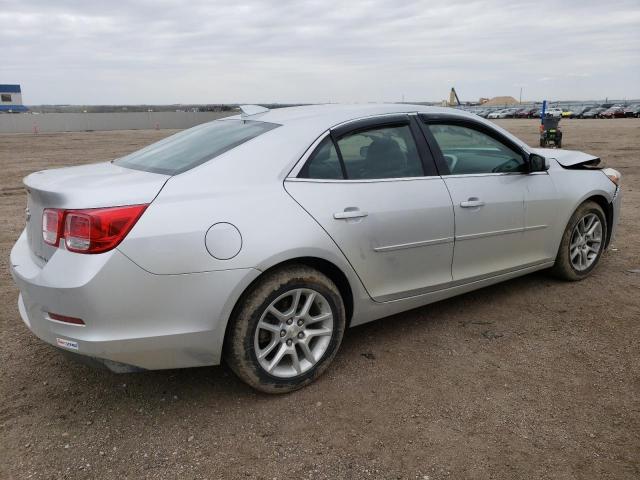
[[388, 152], [375, 153], [324, 163], [190, 148]]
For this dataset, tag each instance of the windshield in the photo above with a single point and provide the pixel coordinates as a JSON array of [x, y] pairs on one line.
[[192, 147]]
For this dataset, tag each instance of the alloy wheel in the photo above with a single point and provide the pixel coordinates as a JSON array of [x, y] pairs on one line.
[[586, 242], [293, 333]]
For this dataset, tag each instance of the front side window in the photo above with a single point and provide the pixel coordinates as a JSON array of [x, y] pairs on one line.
[[469, 151], [192, 147], [6, 97]]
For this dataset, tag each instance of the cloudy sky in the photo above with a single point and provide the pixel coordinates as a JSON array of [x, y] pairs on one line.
[[164, 51]]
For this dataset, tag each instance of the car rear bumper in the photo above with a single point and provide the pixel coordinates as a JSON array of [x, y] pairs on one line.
[[131, 316]]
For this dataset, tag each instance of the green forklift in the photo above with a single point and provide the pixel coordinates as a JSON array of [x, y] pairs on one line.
[[550, 132]]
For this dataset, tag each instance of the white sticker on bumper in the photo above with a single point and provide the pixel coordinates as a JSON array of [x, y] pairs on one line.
[[64, 343]]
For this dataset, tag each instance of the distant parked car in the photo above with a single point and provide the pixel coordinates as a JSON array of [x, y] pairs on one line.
[[632, 110], [567, 112], [617, 111], [574, 110], [593, 113], [509, 113], [578, 111], [506, 113], [523, 112], [553, 112]]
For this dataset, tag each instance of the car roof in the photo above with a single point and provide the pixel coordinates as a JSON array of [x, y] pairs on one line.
[[301, 127], [325, 116]]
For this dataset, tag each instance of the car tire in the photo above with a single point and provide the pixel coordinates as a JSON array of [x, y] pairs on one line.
[[268, 319], [570, 267]]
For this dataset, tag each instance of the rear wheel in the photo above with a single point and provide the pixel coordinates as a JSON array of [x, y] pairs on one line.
[[287, 330], [582, 243]]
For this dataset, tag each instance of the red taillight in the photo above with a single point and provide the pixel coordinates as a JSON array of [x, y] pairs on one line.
[[65, 319], [51, 225], [94, 230]]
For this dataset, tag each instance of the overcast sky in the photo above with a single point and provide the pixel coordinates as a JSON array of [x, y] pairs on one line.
[[192, 51]]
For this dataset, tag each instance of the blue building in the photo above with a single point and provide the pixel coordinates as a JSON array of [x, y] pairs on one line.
[[11, 99]]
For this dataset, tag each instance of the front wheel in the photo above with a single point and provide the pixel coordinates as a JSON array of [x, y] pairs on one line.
[[286, 331], [582, 243]]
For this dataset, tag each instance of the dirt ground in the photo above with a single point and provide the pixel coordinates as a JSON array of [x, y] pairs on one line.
[[530, 379]]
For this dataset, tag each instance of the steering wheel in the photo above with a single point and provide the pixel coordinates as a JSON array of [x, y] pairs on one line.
[[451, 160], [503, 167]]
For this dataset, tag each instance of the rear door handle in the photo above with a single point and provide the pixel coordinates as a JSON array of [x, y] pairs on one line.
[[350, 213], [472, 202]]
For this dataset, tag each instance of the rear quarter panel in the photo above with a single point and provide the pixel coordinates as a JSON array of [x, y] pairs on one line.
[[243, 187]]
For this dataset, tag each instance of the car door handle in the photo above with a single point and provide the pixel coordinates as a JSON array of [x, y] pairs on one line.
[[349, 213], [472, 202]]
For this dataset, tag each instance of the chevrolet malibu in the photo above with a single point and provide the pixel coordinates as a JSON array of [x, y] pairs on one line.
[[257, 239]]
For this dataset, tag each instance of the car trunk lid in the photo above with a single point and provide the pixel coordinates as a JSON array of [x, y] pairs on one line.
[[87, 186]]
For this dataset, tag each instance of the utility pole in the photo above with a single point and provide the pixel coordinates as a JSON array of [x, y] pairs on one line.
[[520, 95]]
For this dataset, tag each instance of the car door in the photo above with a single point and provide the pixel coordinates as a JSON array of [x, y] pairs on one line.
[[489, 181], [373, 186]]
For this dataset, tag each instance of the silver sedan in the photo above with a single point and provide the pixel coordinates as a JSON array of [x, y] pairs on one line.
[[259, 238]]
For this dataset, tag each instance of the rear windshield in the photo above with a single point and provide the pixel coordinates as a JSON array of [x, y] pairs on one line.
[[192, 147]]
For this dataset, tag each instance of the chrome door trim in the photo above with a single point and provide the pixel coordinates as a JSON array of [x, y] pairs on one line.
[[372, 180], [424, 243], [491, 174], [473, 236]]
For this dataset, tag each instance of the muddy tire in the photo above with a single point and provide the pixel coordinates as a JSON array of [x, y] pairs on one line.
[[582, 244], [286, 330]]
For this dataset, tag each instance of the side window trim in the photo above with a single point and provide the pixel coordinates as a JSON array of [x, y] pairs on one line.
[[428, 157], [368, 123], [441, 163], [375, 123], [310, 155], [345, 176], [429, 164]]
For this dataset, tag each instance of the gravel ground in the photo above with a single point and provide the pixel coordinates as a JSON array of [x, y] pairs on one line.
[[532, 378]]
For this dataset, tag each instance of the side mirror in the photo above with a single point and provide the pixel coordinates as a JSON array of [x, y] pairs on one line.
[[538, 163]]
